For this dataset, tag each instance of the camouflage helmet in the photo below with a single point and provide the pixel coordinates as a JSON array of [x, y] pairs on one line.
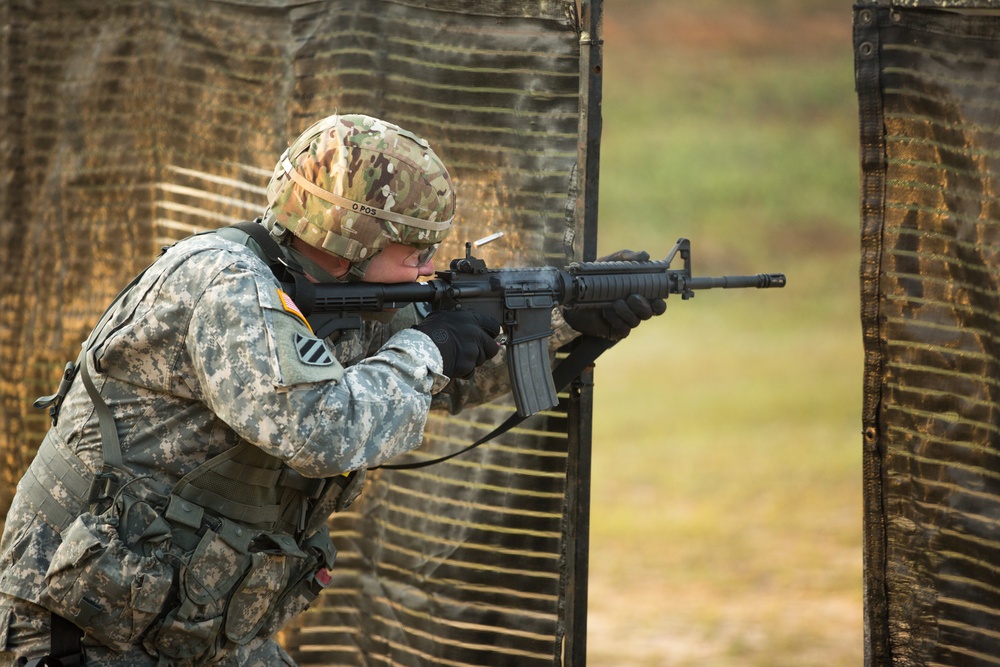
[[353, 184]]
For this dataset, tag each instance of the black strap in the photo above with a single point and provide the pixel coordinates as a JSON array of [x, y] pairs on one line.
[[65, 648], [67, 642], [259, 233], [286, 270], [584, 354]]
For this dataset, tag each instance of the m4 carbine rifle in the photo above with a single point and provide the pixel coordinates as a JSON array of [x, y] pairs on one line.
[[521, 299]]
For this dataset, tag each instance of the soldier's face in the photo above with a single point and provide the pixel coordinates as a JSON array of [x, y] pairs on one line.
[[398, 263]]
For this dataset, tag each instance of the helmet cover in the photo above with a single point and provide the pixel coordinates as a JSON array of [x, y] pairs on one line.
[[352, 184]]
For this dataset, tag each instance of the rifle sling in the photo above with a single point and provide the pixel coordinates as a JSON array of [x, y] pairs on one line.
[[584, 354]]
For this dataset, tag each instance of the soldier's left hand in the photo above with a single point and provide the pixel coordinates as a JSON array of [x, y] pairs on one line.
[[617, 320]]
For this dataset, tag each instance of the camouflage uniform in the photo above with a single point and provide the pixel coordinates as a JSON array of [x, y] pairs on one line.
[[200, 356]]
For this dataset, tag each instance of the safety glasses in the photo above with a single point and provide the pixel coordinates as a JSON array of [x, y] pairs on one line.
[[419, 257]]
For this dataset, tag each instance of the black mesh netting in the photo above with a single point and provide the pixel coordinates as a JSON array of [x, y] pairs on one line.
[[125, 125], [930, 130]]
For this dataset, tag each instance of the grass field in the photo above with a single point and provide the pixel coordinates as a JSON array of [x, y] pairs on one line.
[[726, 524]]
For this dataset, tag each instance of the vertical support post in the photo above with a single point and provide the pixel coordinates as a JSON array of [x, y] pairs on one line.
[[867, 73], [580, 413], [591, 122], [581, 399]]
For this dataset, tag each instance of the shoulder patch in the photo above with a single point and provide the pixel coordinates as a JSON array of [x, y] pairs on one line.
[[290, 307], [302, 359], [312, 351]]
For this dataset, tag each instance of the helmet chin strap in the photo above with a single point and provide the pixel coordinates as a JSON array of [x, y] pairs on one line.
[[309, 266], [358, 270], [355, 272]]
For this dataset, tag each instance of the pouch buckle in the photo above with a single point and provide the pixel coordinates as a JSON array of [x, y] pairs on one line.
[[104, 486]]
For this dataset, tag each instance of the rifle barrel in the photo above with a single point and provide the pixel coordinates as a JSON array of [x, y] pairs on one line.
[[760, 281]]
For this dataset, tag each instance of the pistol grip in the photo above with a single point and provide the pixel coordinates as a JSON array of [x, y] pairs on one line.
[[531, 376]]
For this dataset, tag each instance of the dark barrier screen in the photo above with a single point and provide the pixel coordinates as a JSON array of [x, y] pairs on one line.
[[125, 125], [930, 122]]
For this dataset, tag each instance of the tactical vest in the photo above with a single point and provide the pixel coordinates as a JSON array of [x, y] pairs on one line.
[[240, 547]]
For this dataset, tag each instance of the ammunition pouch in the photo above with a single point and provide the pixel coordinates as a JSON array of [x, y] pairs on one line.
[[245, 558], [102, 586], [184, 579], [207, 582], [242, 573], [233, 584], [304, 585]]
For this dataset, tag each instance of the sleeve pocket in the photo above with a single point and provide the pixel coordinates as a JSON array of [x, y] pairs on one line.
[[301, 357]]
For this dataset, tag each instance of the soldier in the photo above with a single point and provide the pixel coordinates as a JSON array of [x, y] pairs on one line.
[[176, 511]]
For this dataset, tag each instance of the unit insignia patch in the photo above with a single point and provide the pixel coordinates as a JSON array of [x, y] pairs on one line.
[[312, 351]]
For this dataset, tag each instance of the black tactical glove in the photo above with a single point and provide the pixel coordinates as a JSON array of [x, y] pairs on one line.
[[616, 321], [466, 339]]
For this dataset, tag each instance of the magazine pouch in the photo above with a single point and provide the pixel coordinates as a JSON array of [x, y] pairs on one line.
[[96, 582], [310, 576]]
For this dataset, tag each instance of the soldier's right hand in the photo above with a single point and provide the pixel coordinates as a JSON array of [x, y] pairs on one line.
[[466, 339]]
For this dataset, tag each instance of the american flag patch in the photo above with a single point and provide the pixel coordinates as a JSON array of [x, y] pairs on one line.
[[312, 351], [290, 307]]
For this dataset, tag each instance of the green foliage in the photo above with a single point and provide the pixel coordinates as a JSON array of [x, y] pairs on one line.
[[738, 152]]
